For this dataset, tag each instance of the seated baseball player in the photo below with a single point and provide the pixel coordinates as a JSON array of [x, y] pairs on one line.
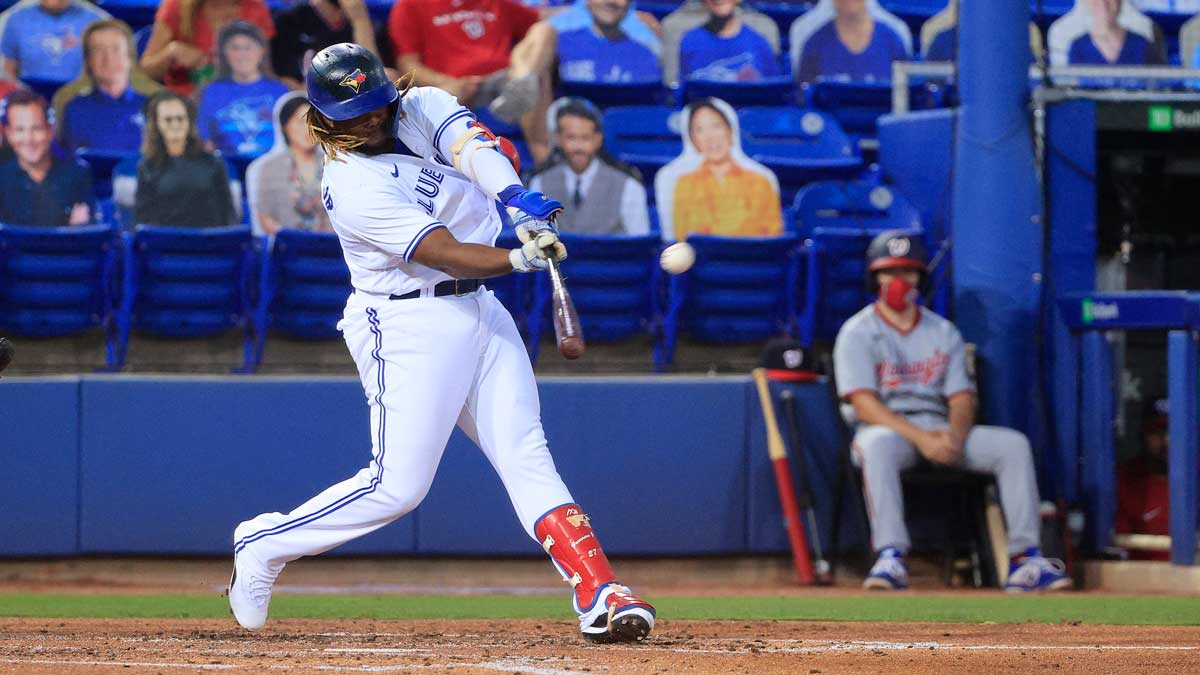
[[902, 376]]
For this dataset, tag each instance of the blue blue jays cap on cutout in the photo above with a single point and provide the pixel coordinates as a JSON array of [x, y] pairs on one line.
[[347, 80]]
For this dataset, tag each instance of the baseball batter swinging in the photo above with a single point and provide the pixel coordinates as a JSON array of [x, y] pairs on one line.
[[410, 184]]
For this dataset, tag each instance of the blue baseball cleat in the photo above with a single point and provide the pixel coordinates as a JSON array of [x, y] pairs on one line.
[[888, 573], [1032, 572]]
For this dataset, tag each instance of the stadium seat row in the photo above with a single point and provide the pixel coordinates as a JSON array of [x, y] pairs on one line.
[[196, 283]]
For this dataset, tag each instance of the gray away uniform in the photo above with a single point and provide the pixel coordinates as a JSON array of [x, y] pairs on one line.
[[915, 374]]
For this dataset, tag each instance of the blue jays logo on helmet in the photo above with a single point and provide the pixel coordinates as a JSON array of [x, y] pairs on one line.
[[354, 80], [347, 80]]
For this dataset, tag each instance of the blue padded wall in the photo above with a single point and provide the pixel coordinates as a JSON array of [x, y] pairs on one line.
[[821, 442], [39, 486], [171, 466], [168, 466], [658, 463]]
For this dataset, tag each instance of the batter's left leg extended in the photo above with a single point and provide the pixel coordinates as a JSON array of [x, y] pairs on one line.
[[503, 415]]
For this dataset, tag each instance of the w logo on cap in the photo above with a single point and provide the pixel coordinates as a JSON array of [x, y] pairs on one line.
[[354, 80], [898, 247]]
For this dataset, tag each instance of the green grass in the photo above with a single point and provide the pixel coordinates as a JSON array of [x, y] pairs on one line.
[[966, 608]]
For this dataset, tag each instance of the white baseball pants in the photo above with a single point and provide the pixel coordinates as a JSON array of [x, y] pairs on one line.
[[426, 364]]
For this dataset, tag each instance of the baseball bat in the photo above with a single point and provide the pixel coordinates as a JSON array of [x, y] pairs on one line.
[[997, 535], [567, 330], [777, 451], [821, 566]]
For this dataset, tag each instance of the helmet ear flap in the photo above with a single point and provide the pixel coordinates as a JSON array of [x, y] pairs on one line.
[[871, 283]]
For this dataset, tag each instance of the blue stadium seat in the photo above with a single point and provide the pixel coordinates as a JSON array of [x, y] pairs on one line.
[[136, 13], [124, 187], [102, 163], [141, 38], [646, 137], [188, 283], [304, 285], [613, 282], [739, 290], [799, 145], [379, 9], [835, 287], [919, 8], [856, 105], [659, 8], [780, 91], [235, 168], [58, 281], [514, 291], [46, 88], [861, 204], [914, 12], [1051, 10], [783, 13], [605, 94]]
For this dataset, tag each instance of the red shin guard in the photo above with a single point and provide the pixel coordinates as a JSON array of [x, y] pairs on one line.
[[566, 535]]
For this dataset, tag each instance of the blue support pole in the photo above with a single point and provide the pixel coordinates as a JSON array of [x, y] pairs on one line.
[[1071, 210], [1098, 439], [997, 237], [1067, 390], [1182, 457]]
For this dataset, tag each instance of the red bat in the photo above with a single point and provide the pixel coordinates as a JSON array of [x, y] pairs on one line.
[[783, 481]]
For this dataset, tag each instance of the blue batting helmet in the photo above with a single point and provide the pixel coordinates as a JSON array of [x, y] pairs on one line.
[[346, 80]]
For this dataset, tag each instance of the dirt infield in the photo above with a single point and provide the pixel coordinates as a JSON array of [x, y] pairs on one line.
[[552, 648]]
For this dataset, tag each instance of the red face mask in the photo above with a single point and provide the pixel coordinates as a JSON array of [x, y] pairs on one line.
[[898, 294]]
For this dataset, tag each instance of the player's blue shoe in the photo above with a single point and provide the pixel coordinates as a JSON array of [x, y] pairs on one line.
[[1032, 572], [888, 573]]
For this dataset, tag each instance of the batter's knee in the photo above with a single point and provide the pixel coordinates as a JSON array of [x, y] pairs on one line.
[[403, 496]]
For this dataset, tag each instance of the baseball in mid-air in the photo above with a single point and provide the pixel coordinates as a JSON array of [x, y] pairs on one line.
[[677, 258]]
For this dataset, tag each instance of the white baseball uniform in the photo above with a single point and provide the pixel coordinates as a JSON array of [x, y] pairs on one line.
[[915, 373], [426, 363]]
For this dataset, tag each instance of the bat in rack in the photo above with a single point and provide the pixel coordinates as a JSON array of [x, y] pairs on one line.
[[783, 481], [567, 330], [821, 566]]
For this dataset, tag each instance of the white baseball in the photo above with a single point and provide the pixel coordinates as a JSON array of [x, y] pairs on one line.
[[677, 258]]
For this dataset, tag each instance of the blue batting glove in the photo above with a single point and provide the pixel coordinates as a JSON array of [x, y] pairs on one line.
[[536, 204]]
